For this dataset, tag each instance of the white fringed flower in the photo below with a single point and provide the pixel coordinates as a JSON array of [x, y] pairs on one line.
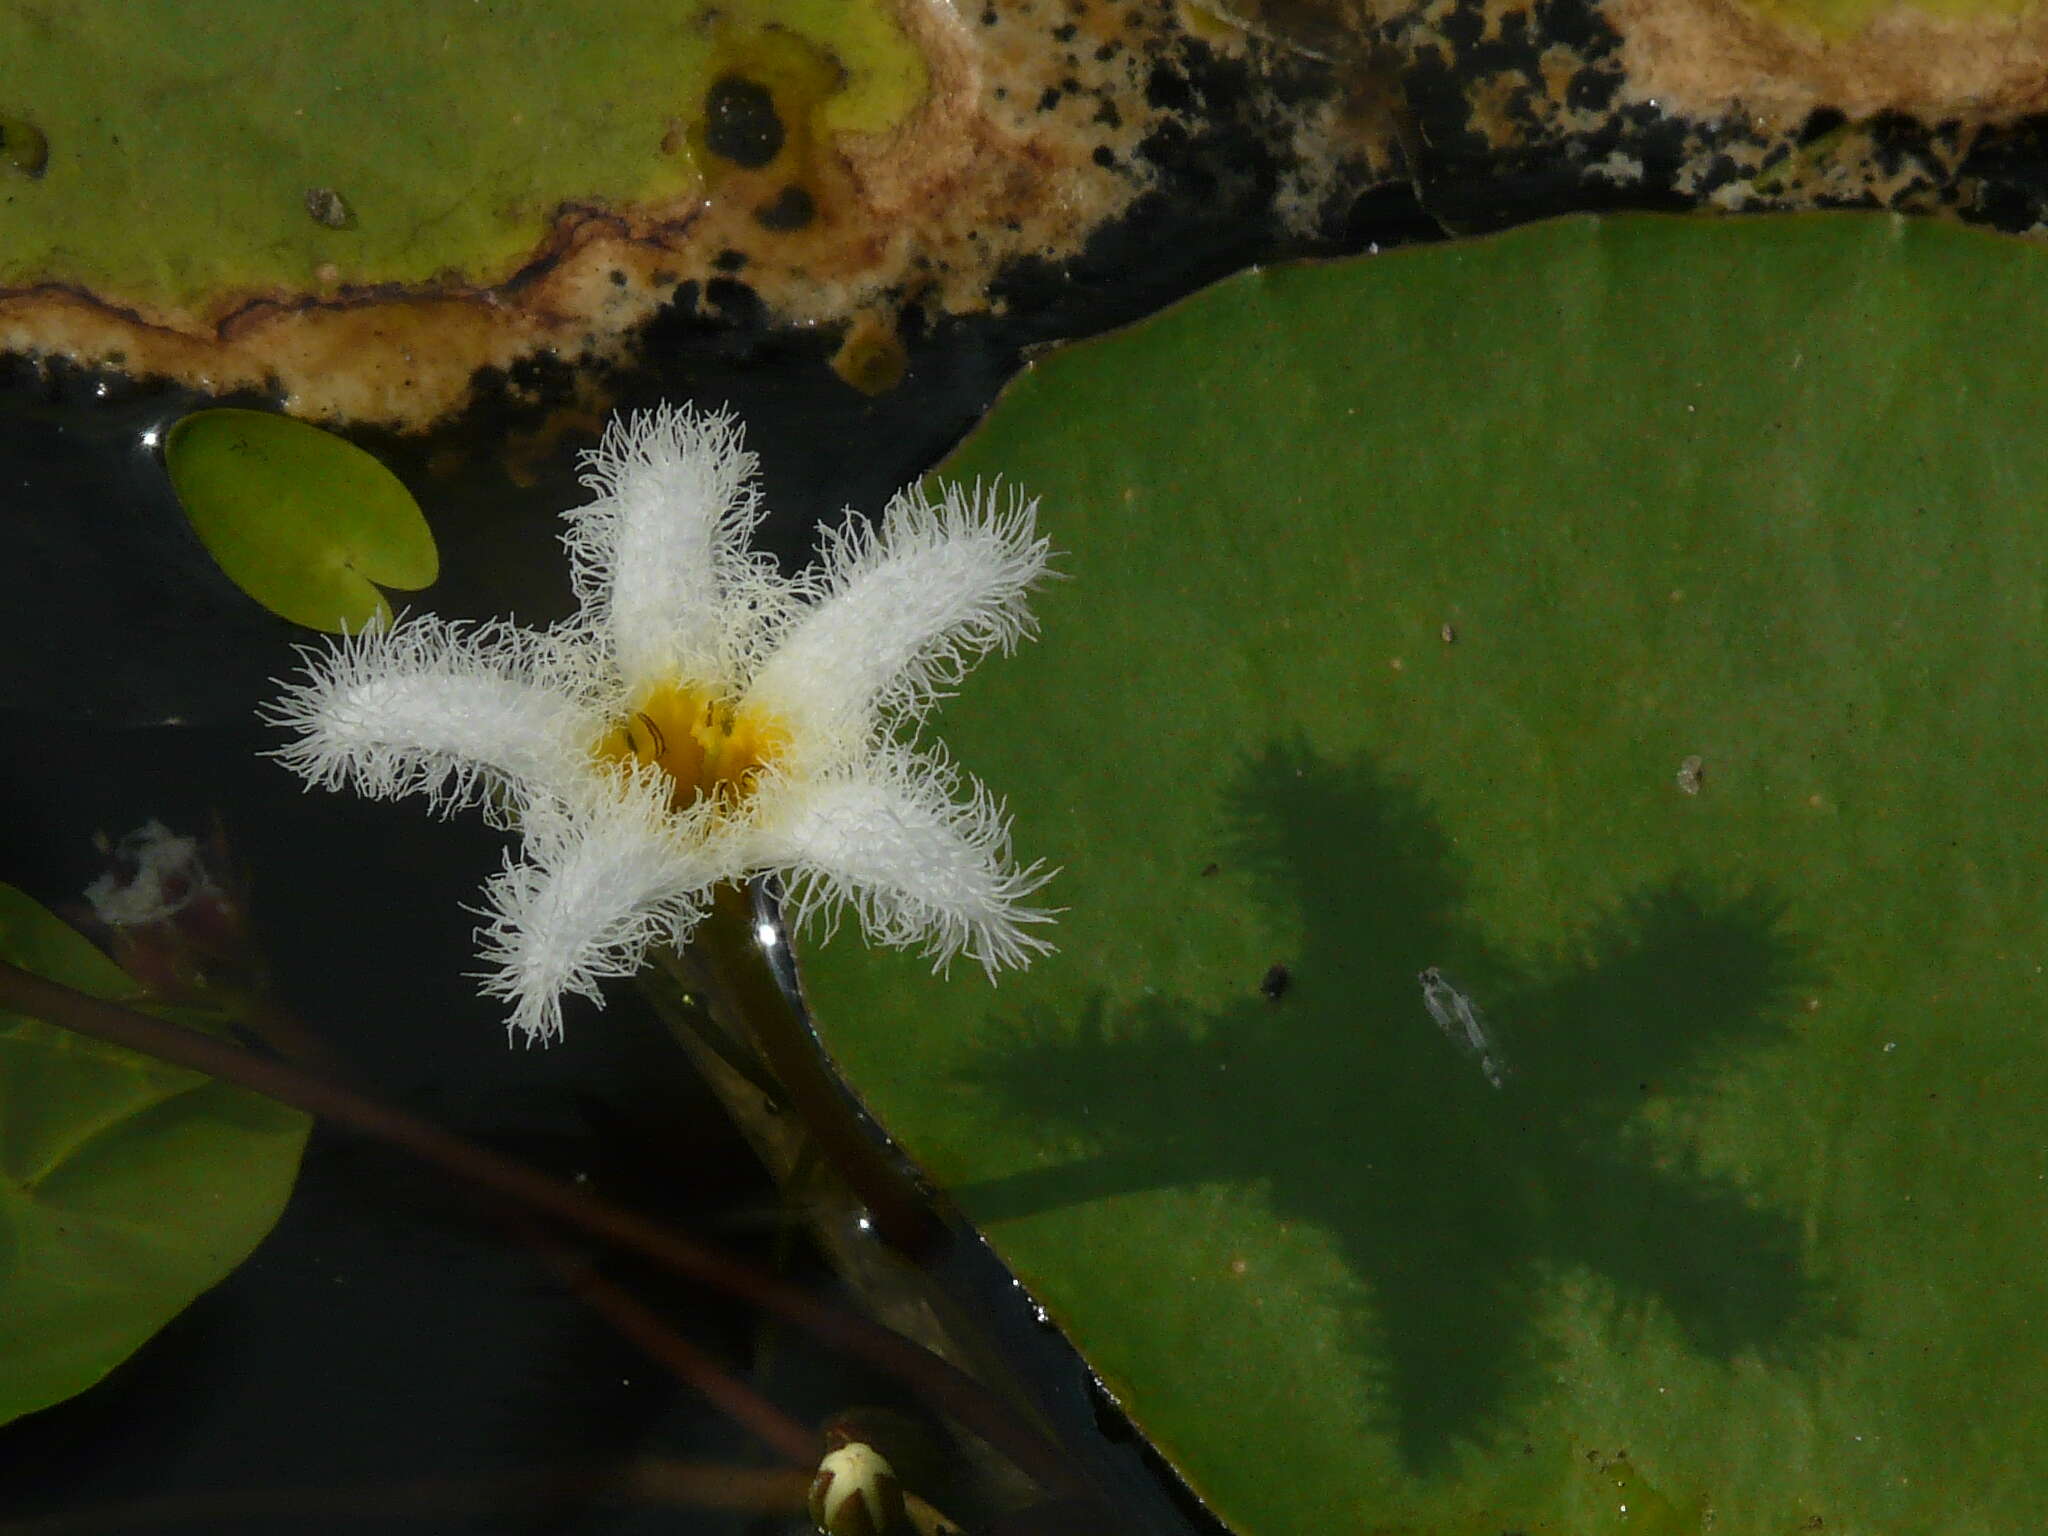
[[703, 719]]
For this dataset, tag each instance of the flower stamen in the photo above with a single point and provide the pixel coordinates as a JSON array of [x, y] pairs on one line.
[[705, 743]]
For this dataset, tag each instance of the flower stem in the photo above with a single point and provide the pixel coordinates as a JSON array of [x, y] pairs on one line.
[[742, 980], [942, 1383]]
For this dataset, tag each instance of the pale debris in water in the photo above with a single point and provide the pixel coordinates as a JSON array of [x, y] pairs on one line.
[[1459, 1018]]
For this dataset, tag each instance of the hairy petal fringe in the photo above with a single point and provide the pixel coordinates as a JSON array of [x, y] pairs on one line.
[[660, 559], [454, 712], [600, 882], [919, 867], [902, 612]]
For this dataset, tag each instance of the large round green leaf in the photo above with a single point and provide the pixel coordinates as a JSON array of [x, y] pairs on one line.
[[303, 521], [189, 151], [1641, 623], [126, 1187]]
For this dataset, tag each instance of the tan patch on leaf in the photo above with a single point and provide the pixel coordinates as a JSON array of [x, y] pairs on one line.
[[989, 168], [1709, 58]]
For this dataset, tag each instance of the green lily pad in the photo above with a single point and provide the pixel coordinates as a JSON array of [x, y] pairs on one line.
[[1639, 624], [245, 144], [307, 524], [126, 1187]]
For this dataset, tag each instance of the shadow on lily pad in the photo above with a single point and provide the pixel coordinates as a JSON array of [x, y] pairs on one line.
[[1460, 1202]]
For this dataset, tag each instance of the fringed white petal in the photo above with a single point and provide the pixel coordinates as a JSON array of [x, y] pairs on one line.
[[660, 559], [600, 882], [920, 867], [905, 610], [440, 709]]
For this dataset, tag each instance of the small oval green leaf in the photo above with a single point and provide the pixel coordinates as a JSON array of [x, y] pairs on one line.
[[307, 524], [127, 1187]]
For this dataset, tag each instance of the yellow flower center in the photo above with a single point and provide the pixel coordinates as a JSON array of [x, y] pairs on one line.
[[705, 744]]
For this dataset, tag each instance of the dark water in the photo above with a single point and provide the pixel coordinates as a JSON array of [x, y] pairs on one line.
[[388, 1359]]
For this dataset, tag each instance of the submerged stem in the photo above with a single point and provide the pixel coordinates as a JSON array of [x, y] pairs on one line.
[[741, 979], [950, 1388], [682, 1359]]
